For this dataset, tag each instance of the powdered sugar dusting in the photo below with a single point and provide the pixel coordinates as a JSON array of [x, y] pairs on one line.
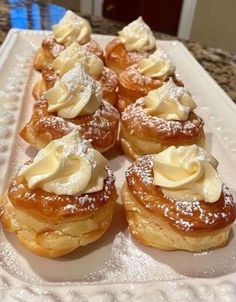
[[129, 264], [72, 204], [137, 119], [77, 80], [133, 74], [51, 45], [186, 216], [143, 169], [109, 79], [56, 122]]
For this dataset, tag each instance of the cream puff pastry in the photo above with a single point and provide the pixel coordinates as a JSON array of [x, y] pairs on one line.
[[71, 28], [61, 200], [136, 41], [74, 101], [175, 200], [68, 59], [163, 118], [148, 74]]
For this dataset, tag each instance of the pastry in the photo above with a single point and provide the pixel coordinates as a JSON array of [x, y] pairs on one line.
[[69, 58], [74, 101], [175, 200], [61, 200], [163, 118], [148, 74], [71, 28], [136, 41]]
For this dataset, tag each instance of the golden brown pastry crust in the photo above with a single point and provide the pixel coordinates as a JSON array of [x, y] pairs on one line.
[[118, 58], [134, 85], [49, 205], [157, 233], [101, 127], [50, 49], [94, 47], [108, 81], [138, 127], [191, 221], [51, 225]]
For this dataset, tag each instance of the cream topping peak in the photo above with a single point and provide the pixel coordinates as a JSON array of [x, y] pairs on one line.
[[157, 65], [76, 93], [170, 102], [66, 166], [72, 28], [137, 36], [75, 54], [187, 173]]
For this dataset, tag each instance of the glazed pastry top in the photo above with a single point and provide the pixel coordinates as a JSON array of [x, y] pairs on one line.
[[142, 125], [184, 216], [58, 207], [99, 128]]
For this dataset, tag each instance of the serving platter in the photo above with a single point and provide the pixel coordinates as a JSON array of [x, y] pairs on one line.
[[116, 267]]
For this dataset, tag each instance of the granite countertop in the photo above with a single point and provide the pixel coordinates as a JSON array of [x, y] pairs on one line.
[[220, 64]]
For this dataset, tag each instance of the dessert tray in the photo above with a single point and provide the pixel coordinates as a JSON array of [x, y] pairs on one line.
[[116, 267]]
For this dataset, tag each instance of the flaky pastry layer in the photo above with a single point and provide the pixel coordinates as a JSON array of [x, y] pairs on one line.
[[53, 225], [186, 217], [48, 238], [135, 147], [154, 231]]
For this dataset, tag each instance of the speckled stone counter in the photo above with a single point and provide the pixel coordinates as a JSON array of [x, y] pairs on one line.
[[220, 64]]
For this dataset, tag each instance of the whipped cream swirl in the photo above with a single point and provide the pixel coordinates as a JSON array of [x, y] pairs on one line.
[[72, 28], [157, 65], [75, 54], [187, 173], [67, 166], [170, 102], [137, 36], [76, 93]]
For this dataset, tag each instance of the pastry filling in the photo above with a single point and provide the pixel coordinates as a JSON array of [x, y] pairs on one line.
[[187, 173]]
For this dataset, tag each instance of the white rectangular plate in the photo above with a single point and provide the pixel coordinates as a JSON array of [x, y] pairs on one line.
[[115, 268]]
